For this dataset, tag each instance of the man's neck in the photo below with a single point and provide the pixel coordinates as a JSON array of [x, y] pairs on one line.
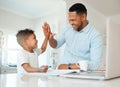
[[84, 24]]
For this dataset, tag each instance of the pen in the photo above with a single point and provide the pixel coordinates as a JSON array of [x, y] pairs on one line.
[[41, 68], [49, 66]]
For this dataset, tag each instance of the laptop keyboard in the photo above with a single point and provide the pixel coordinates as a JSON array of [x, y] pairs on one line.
[[88, 73]]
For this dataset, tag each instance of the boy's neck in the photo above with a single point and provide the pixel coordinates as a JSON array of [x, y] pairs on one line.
[[28, 49]]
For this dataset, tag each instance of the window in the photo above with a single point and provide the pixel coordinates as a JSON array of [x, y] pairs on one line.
[[10, 49], [13, 48]]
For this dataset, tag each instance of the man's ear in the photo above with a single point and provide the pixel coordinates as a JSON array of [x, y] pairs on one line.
[[83, 17]]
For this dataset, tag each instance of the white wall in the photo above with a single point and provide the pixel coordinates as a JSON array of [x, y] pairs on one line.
[[10, 22], [0, 51], [113, 44], [114, 18]]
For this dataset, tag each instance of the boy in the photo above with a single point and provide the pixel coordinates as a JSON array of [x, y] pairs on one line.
[[28, 56]]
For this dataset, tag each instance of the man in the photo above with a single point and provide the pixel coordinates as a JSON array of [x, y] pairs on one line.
[[83, 41]]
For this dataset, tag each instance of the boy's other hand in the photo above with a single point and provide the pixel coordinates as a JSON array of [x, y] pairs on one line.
[[43, 68]]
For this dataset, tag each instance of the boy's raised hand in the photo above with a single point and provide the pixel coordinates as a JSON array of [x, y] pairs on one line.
[[47, 31]]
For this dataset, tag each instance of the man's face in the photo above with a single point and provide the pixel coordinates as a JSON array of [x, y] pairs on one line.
[[75, 20]]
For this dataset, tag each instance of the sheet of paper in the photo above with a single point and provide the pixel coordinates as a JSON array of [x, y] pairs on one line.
[[53, 72]]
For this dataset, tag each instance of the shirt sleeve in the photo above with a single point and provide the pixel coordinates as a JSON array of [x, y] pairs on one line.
[[22, 58], [38, 51], [95, 52], [61, 38]]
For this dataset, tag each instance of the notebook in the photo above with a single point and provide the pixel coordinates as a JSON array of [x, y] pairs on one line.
[[112, 69]]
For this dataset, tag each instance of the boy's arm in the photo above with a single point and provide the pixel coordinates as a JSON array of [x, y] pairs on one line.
[[49, 34], [28, 68], [46, 31], [44, 44]]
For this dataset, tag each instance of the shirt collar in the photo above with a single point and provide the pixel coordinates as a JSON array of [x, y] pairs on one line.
[[86, 28]]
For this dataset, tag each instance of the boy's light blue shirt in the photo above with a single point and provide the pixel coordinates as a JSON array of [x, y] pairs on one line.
[[83, 45]]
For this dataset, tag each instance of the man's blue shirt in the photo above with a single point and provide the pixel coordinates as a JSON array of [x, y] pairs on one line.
[[83, 45]]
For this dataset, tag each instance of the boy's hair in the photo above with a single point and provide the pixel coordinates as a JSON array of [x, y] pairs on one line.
[[23, 34], [79, 8]]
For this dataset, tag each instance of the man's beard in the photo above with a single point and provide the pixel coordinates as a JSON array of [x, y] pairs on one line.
[[80, 27]]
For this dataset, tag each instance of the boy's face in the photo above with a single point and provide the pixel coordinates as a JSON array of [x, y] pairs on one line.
[[31, 41]]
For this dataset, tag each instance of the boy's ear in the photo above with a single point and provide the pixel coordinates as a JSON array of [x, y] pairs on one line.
[[24, 41]]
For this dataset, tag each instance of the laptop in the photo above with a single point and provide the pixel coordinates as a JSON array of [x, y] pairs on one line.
[[112, 68]]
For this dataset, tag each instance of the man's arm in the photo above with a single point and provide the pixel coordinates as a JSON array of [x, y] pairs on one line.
[[52, 42], [95, 53], [66, 66]]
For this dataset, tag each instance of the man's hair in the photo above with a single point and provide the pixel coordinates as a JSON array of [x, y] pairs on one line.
[[23, 34], [79, 8]]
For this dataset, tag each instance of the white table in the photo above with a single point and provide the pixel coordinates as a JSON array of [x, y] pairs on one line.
[[15, 80]]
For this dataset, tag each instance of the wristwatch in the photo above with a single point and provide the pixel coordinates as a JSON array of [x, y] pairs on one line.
[[69, 66]]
